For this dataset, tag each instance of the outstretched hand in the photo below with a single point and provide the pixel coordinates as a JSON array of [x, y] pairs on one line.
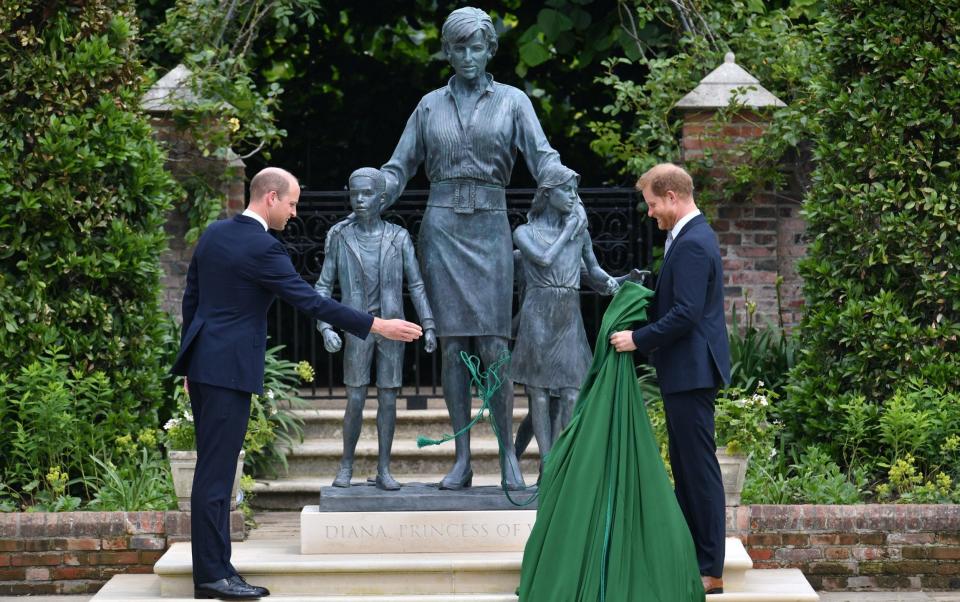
[[623, 341], [396, 330]]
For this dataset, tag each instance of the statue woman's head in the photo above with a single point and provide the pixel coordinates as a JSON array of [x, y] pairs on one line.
[[469, 41]]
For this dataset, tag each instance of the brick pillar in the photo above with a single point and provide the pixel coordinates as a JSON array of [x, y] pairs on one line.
[[761, 237], [184, 161]]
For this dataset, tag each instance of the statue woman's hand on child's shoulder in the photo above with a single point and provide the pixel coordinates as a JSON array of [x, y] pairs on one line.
[[579, 215]]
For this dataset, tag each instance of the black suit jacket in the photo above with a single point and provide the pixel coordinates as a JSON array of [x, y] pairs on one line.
[[687, 334], [237, 271]]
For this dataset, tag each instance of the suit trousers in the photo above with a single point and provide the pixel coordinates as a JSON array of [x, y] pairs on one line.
[[220, 416], [696, 473]]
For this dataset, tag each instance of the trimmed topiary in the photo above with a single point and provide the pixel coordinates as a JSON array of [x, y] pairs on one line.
[[85, 196], [882, 275]]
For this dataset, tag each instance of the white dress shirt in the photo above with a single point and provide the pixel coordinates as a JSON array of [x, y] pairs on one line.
[[255, 216], [675, 231]]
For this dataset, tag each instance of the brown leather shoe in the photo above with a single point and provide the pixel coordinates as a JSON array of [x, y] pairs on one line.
[[712, 585]]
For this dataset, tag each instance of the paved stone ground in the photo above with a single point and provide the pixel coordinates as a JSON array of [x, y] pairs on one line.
[[890, 597], [824, 597]]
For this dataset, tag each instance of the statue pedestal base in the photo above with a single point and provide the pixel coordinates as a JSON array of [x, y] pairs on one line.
[[419, 497]]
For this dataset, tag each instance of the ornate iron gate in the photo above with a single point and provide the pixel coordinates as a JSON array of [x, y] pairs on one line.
[[622, 238]]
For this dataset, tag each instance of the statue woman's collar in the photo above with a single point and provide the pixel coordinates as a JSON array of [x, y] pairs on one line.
[[489, 87]]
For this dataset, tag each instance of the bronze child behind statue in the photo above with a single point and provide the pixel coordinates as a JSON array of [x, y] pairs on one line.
[[551, 351], [369, 258]]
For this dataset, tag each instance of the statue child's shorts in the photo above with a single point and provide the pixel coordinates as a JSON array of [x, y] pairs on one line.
[[358, 359]]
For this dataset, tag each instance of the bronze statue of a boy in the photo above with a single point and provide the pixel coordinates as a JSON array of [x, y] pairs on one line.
[[369, 259]]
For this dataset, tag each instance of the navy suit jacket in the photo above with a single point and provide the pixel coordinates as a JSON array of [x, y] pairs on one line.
[[237, 271], [687, 334]]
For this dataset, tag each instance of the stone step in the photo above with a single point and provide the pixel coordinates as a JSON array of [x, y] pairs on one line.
[[320, 458], [487, 577], [328, 423], [337, 398], [768, 585], [146, 588], [279, 566]]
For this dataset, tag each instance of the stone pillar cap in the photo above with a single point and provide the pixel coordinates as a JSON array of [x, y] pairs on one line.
[[172, 91], [727, 83]]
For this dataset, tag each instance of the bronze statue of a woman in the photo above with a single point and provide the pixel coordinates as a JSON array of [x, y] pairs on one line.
[[467, 134]]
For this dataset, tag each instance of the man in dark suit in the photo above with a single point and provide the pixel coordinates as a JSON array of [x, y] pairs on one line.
[[687, 338], [237, 271]]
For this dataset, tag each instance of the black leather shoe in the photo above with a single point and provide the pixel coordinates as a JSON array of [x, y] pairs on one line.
[[261, 591], [224, 589]]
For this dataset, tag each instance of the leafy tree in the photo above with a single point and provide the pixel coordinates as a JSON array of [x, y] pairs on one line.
[[882, 276], [81, 232], [226, 112], [355, 76], [776, 42]]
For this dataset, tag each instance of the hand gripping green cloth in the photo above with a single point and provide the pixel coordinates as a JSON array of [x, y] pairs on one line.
[[608, 526]]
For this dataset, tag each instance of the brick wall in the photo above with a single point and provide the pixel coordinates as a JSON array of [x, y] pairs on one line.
[[854, 548], [78, 552], [761, 237]]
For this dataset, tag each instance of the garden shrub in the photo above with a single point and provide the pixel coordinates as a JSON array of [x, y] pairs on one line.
[[882, 275], [813, 479], [82, 342]]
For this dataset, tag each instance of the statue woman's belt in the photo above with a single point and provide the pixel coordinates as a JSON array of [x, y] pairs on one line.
[[555, 286], [467, 196]]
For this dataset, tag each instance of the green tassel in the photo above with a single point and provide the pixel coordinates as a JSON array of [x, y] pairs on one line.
[[425, 441], [487, 383]]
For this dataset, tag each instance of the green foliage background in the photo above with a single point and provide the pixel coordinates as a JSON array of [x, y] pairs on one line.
[[872, 104], [353, 73], [83, 338], [882, 275]]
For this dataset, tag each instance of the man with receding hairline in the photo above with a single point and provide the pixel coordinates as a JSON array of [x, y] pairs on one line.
[[237, 271], [687, 340]]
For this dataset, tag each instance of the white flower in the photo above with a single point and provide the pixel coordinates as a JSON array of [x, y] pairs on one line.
[[773, 452], [269, 394], [273, 411], [759, 384], [173, 422], [188, 416]]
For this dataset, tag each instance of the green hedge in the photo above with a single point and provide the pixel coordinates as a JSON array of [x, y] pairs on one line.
[[882, 275], [81, 230]]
